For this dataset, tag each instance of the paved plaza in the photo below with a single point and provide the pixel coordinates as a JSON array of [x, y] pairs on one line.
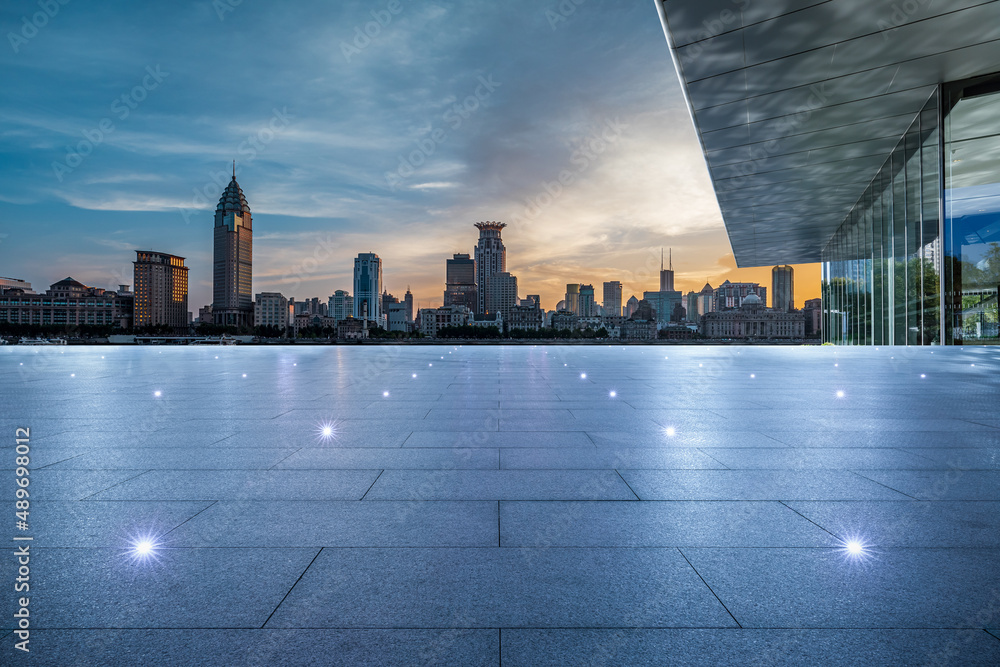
[[485, 505]]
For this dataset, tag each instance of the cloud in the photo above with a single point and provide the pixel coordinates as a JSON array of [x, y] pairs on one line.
[[485, 102]]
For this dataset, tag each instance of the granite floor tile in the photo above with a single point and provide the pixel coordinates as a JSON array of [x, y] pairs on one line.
[[252, 648], [181, 588], [343, 458], [606, 458], [811, 458], [890, 588], [954, 484], [244, 485], [174, 458], [500, 485], [499, 439], [476, 588], [71, 523], [908, 523], [753, 648], [348, 523], [755, 485], [656, 524], [53, 484], [963, 458], [674, 436]]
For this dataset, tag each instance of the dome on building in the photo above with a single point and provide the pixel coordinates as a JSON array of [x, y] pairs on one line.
[[232, 199], [751, 300], [68, 283]]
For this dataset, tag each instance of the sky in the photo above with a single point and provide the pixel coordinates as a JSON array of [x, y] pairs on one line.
[[388, 126]]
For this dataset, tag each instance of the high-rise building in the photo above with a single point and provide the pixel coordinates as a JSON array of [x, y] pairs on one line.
[[667, 275], [813, 311], [706, 300], [340, 305], [588, 308], [573, 298], [691, 306], [700, 303], [387, 300], [271, 310], [408, 304], [161, 290], [782, 288], [612, 299], [501, 294], [368, 287], [491, 259], [666, 301], [233, 273], [314, 306], [460, 282], [665, 304], [460, 270]]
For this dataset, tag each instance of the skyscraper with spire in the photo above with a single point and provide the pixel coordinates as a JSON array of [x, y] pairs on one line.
[[666, 299], [667, 275], [491, 259], [232, 294]]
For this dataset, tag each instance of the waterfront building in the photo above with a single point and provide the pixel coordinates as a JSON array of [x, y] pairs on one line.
[[753, 321], [491, 259], [160, 290], [271, 310], [233, 255]]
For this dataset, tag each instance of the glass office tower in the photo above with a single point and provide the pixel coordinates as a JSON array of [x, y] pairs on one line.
[[861, 135], [917, 260], [971, 210]]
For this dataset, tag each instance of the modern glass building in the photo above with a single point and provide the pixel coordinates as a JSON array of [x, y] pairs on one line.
[[863, 135]]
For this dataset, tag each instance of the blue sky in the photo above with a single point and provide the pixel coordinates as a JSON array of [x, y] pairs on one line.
[[120, 120]]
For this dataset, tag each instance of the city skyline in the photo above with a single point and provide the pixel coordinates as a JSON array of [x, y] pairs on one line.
[[318, 178]]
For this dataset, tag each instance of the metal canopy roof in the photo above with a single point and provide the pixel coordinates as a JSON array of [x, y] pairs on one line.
[[798, 103]]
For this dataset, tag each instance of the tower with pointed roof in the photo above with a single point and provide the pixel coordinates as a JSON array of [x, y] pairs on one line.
[[232, 302]]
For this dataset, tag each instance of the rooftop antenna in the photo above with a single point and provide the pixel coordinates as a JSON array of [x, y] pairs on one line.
[[671, 259], [661, 259]]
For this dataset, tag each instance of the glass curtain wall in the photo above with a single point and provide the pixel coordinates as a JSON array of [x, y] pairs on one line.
[[972, 210], [881, 283]]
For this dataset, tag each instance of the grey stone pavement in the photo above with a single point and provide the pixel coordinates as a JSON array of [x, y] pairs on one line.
[[499, 505]]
